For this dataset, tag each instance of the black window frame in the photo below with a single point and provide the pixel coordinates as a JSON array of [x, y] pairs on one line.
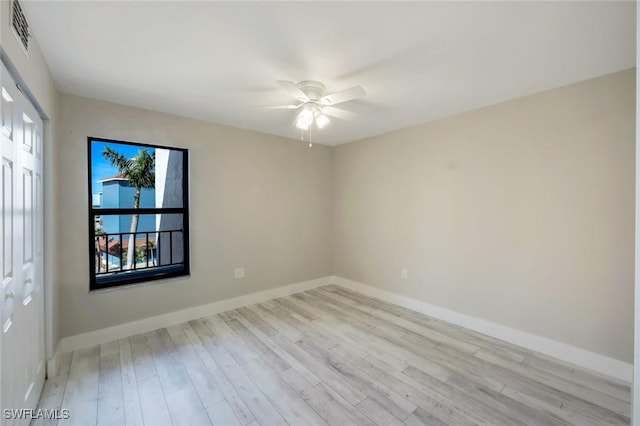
[[148, 274]]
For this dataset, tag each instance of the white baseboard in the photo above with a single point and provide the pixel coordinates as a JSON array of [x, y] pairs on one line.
[[598, 363], [92, 338]]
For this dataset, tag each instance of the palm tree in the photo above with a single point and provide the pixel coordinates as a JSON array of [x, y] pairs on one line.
[[100, 234], [140, 172], [152, 246], [145, 252]]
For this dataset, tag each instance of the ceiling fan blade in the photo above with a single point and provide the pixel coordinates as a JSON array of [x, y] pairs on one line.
[[293, 89], [282, 106], [338, 113], [343, 96]]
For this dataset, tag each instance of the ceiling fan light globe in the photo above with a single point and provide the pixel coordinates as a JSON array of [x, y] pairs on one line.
[[306, 116], [322, 120], [302, 125]]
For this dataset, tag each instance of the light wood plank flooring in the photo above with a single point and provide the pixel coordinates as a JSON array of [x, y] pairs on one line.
[[326, 356]]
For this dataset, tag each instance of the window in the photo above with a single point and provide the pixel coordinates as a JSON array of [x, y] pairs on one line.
[[138, 212]]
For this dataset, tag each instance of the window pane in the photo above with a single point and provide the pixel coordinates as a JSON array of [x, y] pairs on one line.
[[125, 176], [169, 179], [170, 239], [158, 245]]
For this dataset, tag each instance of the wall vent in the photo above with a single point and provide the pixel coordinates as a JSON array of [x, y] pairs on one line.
[[20, 24]]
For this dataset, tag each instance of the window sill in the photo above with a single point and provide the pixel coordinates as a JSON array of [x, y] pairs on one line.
[[138, 278]]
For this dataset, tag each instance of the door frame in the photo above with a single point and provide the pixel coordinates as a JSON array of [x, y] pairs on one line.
[[635, 389]]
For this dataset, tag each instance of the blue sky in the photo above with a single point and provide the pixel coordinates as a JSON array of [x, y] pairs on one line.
[[101, 168]]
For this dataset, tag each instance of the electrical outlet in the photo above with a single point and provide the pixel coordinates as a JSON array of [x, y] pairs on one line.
[[239, 273], [404, 273]]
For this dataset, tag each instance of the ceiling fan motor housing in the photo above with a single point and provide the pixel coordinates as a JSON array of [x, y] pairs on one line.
[[313, 89]]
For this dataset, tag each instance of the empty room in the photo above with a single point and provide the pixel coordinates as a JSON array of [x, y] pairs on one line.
[[318, 213]]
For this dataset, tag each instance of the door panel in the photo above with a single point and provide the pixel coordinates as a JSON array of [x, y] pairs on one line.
[[6, 265], [22, 355]]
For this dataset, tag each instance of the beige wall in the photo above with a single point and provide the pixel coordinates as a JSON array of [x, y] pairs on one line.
[[258, 201], [520, 213], [35, 76]]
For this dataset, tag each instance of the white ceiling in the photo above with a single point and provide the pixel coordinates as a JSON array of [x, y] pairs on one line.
[[417, 61]]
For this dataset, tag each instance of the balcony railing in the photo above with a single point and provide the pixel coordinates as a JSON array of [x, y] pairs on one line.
[[155, 249]]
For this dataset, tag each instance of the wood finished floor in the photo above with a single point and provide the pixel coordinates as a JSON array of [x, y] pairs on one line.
[[326, 356]]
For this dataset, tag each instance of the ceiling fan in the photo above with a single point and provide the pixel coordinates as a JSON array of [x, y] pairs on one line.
[[315, 106]]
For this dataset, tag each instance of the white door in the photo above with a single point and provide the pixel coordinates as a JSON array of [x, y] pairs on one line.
[[22, 354]]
